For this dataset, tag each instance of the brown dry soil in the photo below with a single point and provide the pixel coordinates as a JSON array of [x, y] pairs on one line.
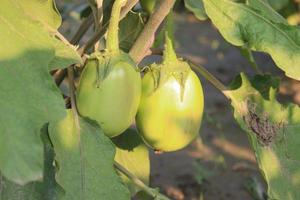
[[222, 150]]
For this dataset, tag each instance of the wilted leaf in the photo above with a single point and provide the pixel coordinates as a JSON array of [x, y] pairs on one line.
[[29, 97], [257, 26], [133, 154], [197, 7], [274, 133], [85, 160]]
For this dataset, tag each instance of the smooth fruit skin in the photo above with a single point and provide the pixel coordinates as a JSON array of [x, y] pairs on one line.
[[165, 121], [115, 102]]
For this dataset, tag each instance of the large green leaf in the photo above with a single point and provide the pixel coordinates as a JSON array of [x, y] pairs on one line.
[[29, 97], [43, 11], [197, 7], [46, 189], [273, 130], [257, 26], [133, 154], [85, 160]]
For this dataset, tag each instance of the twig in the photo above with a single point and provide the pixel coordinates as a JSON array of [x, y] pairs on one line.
[[84, 26], [144, 42], [97, 10], [129, 5], [59, 76], [208, 76], [96, 37], [150, 191]]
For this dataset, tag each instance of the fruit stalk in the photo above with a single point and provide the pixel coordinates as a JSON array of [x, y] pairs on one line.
[[112, 43], [99, 34], [169, 53]]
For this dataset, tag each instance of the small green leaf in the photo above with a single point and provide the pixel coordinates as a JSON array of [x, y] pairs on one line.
[[132, 154], [272, 129], [256, 25], [85, 156], [129, 29], [197, 7]]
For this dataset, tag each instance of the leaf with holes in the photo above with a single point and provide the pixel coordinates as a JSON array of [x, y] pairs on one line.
[[256, 25], [273, 130], [29, 97], [85, 160]]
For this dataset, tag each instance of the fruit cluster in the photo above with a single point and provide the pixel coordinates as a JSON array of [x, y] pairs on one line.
[[167, 103]]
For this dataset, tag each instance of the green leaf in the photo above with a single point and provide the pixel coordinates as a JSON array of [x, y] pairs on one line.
[[46, 189], [132, 154], [278, 4], [129, 29], [257, 26], [43, 11], [273, 130], [196, 7], [29, 97], [85, 160]]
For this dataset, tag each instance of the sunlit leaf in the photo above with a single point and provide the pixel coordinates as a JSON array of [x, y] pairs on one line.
[[85, 160], [43, 11], [274, 133], [256, 25]]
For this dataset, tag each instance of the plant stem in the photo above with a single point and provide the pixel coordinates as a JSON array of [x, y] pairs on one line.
[[70, 72], [97, 10], [129, 5], [208, 76], [112, 42], [150, 191], [60, 74], [144, 42], [84, 26], [101, 32], [76, 118], [246, 51]]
